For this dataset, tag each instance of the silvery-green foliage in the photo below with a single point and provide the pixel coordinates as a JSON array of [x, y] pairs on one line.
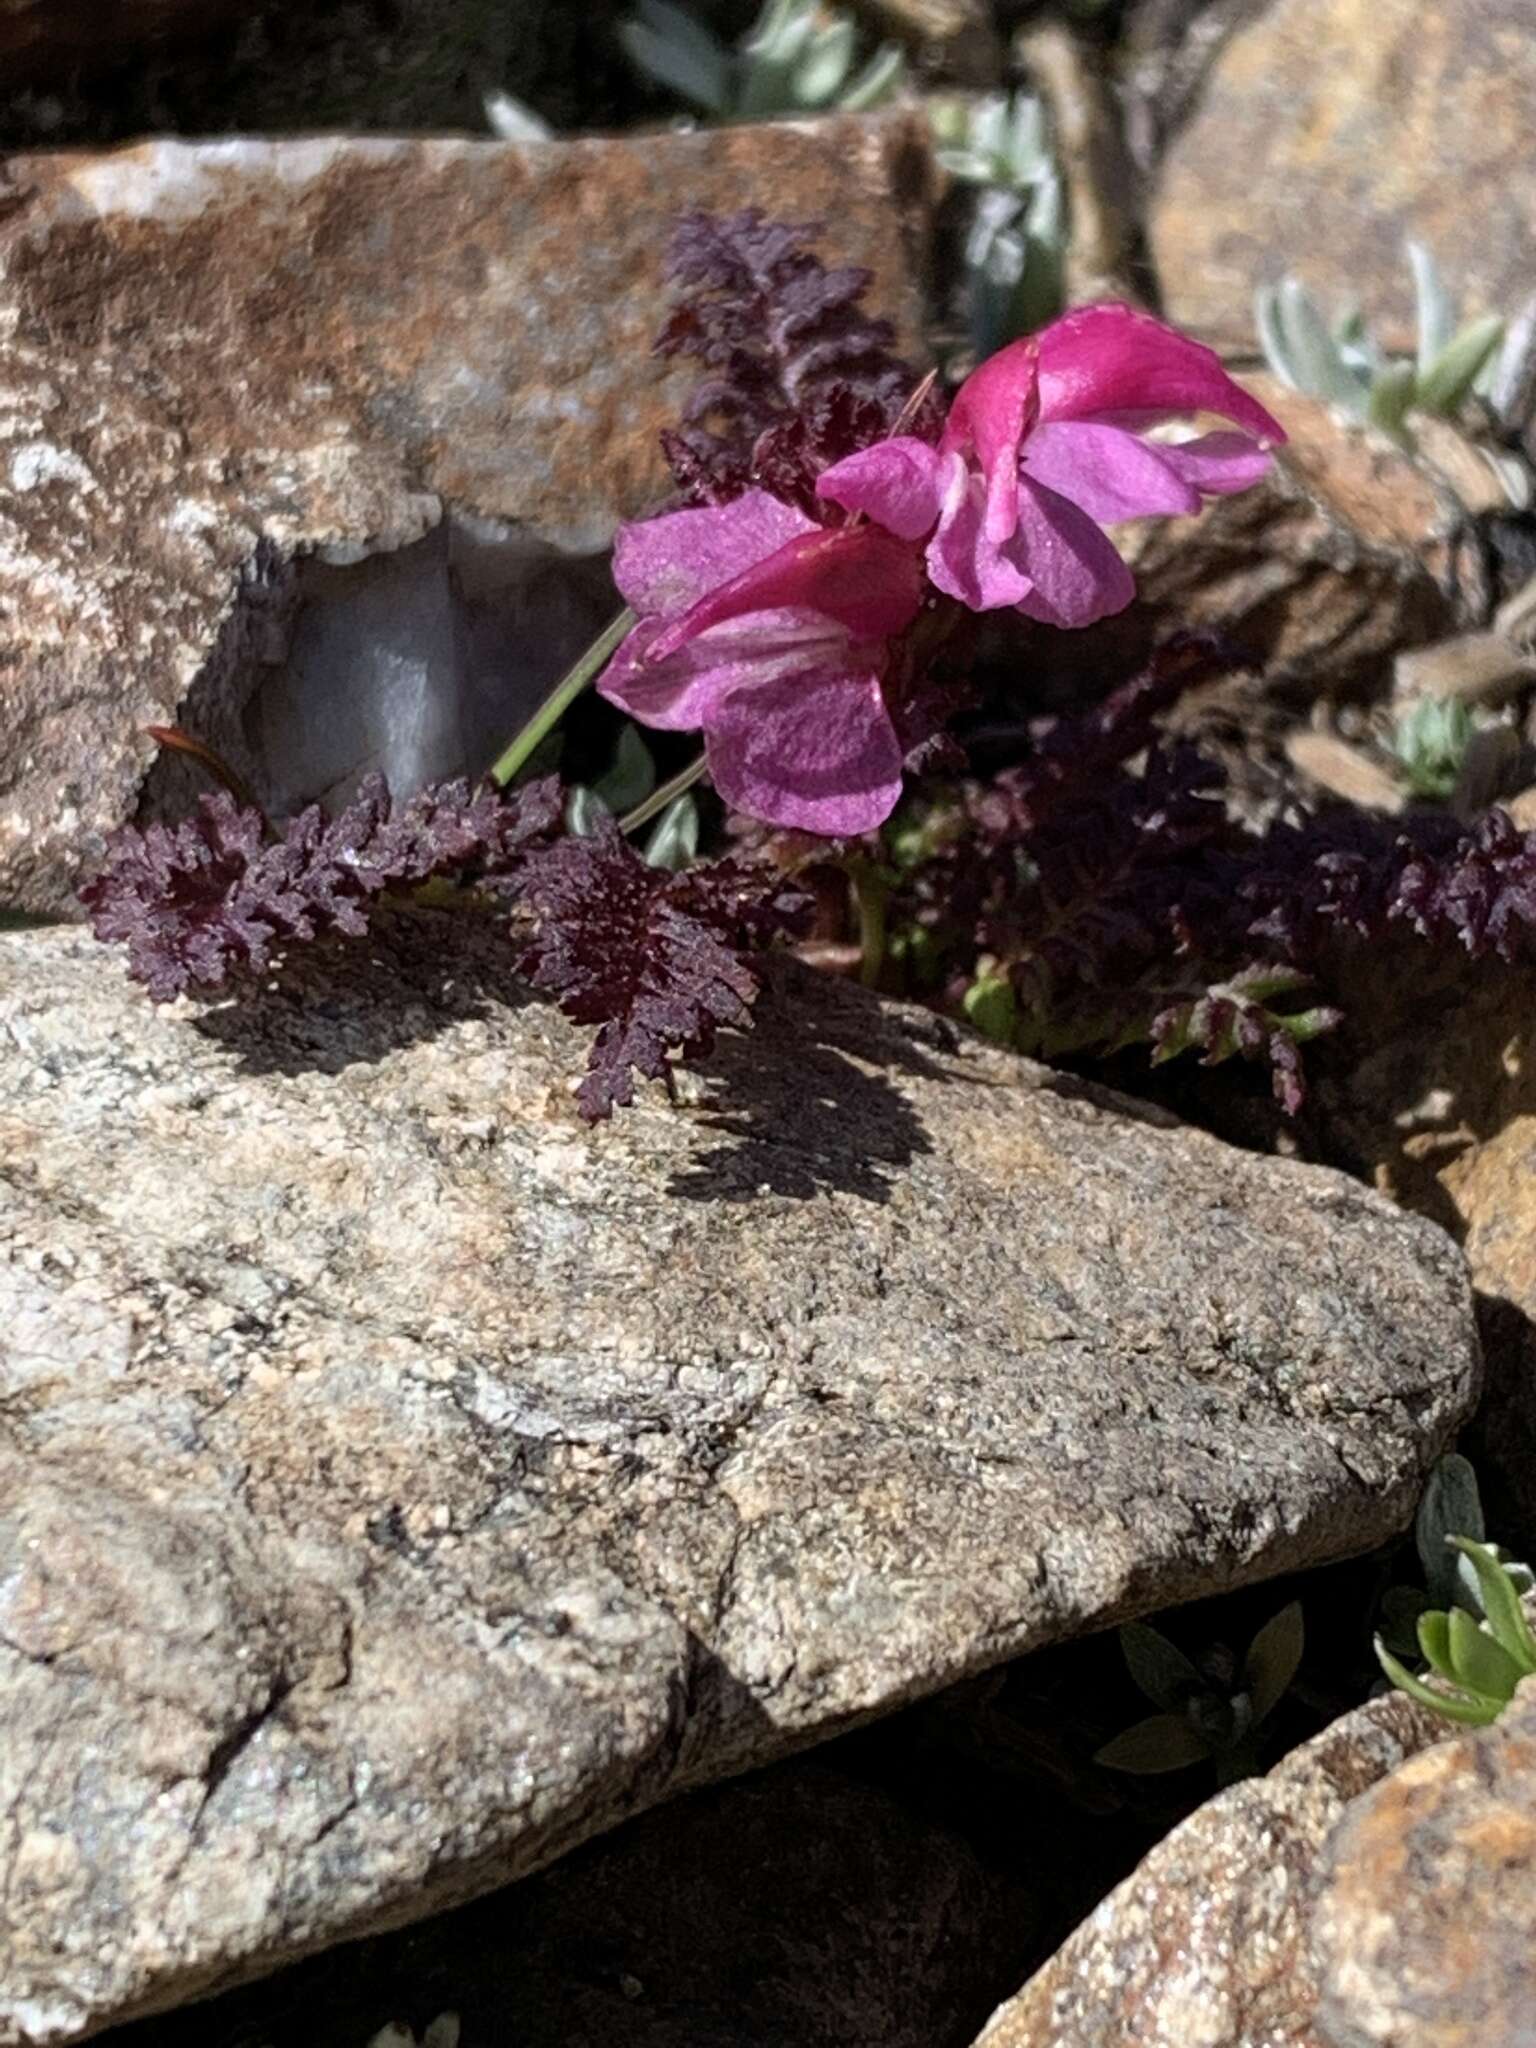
[[798, 57], [510, 120], [1201, 1717], [1344, 365], [1015, 251]]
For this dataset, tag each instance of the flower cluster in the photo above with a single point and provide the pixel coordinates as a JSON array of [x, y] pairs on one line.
[[782, 638]]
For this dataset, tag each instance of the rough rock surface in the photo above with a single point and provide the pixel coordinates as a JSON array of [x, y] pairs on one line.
[[1206, 1943], [400, 1482], [1425, 1935], [216, 358], [796, 1908], [1372, 120]]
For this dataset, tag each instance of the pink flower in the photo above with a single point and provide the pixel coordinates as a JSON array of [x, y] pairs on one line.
[[769, 633], [1043, 449]]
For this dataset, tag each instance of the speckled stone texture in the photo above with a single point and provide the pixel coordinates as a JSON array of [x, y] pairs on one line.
[[1326, 131], [1206, 1944], [400, 1482], [218, 357], [1425, 1935]]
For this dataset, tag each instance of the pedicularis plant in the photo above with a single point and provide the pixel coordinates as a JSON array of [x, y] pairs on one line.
[[802, 608]]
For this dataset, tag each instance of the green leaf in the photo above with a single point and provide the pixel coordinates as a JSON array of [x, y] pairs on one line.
[[1478, 1662], [1501, 1604], [1436, 315], [1463, 1707], [824, 68], [1163, 1742], [990, 1005], [670, 46], [1273, 1657], [630, 777], [1312, 350], [1451, 1504], [1448, 381], [584, 811], [1160, 1668], [880, 80], [1272, 336], [1391, 394], [1434, 1634], [675, 840]]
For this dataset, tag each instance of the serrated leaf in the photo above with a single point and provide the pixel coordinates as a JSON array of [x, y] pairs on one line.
[[1444, 387], [1463, 1707], [1501, 1604], [1478, 1662], [1273, 1657], [1159, 1668], [675, 841], [1163, 1742]]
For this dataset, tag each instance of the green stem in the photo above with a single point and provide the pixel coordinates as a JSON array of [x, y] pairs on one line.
[[659, 798], [561, 698], [870, 892]]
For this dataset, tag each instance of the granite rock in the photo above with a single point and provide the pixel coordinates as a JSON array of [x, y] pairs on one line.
[[400, 1481], [1371, 120], [316, 446], [1206, 1943], [1425, 1933]]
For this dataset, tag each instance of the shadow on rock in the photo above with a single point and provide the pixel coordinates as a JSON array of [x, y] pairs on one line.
[[808, 1102], [415, 975]]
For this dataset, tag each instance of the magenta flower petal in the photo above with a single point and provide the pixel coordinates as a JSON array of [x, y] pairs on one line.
[[1111, 474], [1111, 359], [994, 409], [963, 562], [862, 577], [683, 691], [811, 752], [665, 564], [1074, 573], [1219, 464], [899, 483]]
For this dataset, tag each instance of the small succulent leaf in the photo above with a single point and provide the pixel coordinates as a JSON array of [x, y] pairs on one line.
[[669, 45], [675, 840], [823, 69], [630, 776], [1463, 1707], [511, 121], [1436, 315], [1314, 353], [1451, 1504], [1163, 1742], [1159, 1668], [1445, 386], [585, 811], [1273, 1657], [1478, 1662], [880, 80], [1501, 1604], [1272, 335], [1434, 1634], [1390, 396], [443, 2032]]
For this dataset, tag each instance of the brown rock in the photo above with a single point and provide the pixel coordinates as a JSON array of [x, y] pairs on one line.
[[221, 358], [1346, 553], [1328, 130], [1205, 1944], [1425, 1934], [400, 1482]]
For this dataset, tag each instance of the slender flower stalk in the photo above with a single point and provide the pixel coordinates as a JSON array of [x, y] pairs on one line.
[[582, 672], [664, 794]]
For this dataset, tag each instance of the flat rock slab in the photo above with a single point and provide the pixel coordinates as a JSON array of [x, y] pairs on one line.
[[218, 360], [400, 1482]]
